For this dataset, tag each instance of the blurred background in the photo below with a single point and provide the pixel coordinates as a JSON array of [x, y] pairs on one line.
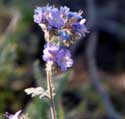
[[94, 88]]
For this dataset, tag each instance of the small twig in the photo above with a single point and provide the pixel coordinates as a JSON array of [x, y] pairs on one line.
[[13, 22]]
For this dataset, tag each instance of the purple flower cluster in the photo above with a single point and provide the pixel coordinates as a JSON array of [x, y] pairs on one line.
[[62, 28], [58, 55], [50, 16], [61, 22]]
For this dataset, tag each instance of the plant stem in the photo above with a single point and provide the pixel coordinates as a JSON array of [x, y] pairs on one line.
[[50, 90]]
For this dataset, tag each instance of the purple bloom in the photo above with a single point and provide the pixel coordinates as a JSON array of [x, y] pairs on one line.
[[39, 15], [80, 27], [49, 15], [63, 59], [55, 19], [59, 55], [50, 51], [60, 23], [14, 116]]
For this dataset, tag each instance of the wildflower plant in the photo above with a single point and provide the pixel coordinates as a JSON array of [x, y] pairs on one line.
[[61, 28]]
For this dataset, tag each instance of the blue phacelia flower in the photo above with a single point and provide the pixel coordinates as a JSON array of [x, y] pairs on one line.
[[79, 27], [61, 28], [39, 15], [58, 55], [63, 59], [55, 19], [61, 23], [50, 51]]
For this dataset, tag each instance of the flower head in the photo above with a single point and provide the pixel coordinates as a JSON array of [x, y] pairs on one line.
[[61, 23], [39, 15], [79, 27], [58, 55], [50, 51], [61, 28], [49, 15], [55, 19], [63, 59]]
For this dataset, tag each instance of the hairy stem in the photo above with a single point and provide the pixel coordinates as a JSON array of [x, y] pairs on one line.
[[50, 90]]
